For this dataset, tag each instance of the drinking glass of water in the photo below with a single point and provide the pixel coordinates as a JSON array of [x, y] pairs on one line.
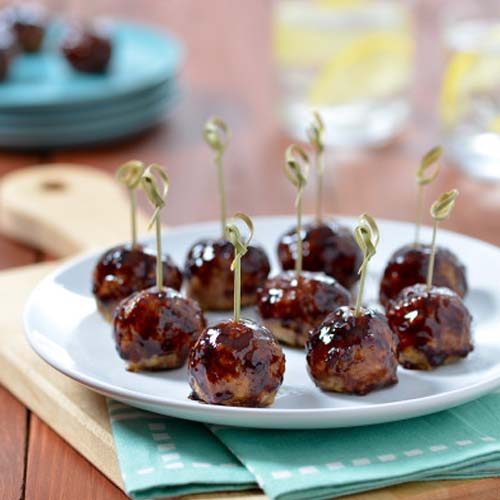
[[351, 60], [470, 92]]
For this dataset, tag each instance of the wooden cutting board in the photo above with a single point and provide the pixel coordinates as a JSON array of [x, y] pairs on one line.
[[65, 209]]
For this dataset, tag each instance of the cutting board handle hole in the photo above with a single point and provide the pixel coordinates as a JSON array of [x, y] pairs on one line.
[[53, 185]]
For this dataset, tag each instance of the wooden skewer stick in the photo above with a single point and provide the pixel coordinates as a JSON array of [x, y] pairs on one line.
[[296, 169], [367, 237], [150, 180], [440, 210], [315, 134], [130, 174], [429, 159], [216, 134], [233, 234]]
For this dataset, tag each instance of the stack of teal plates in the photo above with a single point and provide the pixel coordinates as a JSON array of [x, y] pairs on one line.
[[44, 103]]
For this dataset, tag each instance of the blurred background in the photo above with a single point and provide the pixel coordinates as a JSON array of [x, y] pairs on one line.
[[391, 78]]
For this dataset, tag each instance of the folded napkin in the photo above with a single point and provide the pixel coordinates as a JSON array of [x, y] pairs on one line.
[[168, 457], [290, 465], [460, 443]]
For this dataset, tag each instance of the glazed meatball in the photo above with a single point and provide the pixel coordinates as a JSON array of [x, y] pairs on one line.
[[353, 354], [236, 364], [28, 22], [326, 248], [154, 330], [292, 307], [408, 266], [7, 51], [123, 270], [210, 280], [434, 327], [87, 48]]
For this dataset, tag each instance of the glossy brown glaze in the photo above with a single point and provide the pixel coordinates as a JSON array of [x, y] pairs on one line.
[[236, 364], [210, 280], [28, 21], [409, 264], [123, 270], [434, 328], [353, 355], [328, 248], [154, 330], [87, 48], [292, 307]]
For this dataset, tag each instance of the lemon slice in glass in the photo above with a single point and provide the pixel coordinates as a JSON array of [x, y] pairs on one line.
[[471, 70], [375, 65]]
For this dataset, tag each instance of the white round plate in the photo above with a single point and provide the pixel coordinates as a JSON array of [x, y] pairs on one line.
[[65, 329]]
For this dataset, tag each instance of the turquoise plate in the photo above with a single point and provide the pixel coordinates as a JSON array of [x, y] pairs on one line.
[[142, 58], [94, 132], [93, 113]]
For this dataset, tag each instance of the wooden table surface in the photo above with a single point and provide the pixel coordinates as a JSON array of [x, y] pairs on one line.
[[229, 72]]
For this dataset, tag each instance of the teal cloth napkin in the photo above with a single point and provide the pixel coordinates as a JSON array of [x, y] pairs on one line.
[[167, 457], [290, 465]]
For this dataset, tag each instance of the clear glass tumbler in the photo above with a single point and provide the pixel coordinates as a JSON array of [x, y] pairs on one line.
[[470, 91], [351, 60]]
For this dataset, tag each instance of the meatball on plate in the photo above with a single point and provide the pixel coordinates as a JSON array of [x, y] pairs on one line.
[[210, 279], [433, 326], [408, 266], [291, 307], [236, 364], [353, 354], [64, 327], [123, 270]]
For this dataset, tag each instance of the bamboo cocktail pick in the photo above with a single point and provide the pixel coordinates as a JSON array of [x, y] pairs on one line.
[[216, 134], [367, 237], [233, 234], [150, 181], [315, 133], [440, 210], [130, 174], [430, 158], [296, 169]]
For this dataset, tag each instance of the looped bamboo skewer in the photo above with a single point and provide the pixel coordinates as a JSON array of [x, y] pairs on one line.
[[130, 174], [296, 170], [150, 181], [217, 135], [367, 237], [315, 133], [233, 234], [440, 211], [429, 159]]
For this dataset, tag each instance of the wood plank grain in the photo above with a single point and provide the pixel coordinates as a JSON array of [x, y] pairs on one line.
[[11, 160], [13, 254], [56, 471], [78, 414], [13, 436], [15, 416], [476, 489]]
